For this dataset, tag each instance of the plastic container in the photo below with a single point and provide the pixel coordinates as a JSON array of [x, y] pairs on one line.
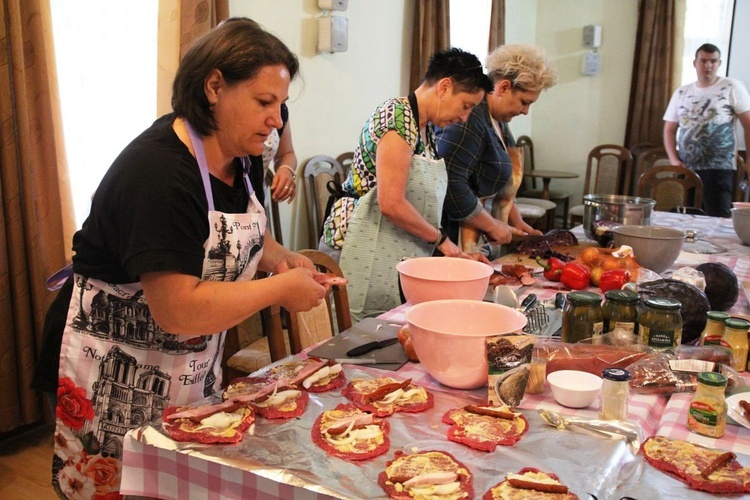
[[707, 414], [614, 395], [735, 338], [660, 325], [582, 317], [714, 330]]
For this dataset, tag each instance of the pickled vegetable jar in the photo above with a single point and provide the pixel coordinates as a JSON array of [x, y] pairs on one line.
[[660, 325], [582, 317], [707, 414], [620, 311]]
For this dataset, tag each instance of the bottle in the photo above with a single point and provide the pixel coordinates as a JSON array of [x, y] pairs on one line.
[[620, 312], [582, 317], [735, 338], [660, 325], [707, 414], [614, 395], [714, 330]]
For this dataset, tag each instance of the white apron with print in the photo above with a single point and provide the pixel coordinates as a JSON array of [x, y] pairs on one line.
[[374, 245], [119, 370]]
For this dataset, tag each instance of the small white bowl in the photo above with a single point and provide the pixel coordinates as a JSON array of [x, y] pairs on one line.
[[573, 388]]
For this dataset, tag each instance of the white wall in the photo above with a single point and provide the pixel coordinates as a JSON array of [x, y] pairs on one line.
[[336, 93]]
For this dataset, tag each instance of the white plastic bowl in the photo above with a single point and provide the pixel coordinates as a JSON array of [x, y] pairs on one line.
[[573, 388], [741, 223]]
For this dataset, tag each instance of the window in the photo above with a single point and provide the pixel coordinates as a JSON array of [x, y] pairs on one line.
[[706, 21], [470, 26], [106, 68]]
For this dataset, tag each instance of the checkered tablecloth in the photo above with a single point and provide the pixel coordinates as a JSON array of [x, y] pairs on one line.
[[160, 472]]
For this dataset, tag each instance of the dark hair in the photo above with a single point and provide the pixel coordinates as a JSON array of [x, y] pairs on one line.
[[239, 48], [464, 68], [707, 47]]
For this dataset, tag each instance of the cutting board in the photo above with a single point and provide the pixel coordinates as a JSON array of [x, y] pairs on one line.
[[515, 258], [391, 357]]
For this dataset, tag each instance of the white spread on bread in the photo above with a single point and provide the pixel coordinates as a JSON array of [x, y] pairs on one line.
[[351, 439], [279, 398], [401, 396], [533, 477], [325, 374], [222, 421]]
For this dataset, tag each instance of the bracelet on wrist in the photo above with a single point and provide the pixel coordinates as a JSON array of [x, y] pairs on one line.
[[440, 238], [294, 174]]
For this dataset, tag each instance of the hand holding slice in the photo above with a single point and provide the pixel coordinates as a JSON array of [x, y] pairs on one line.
[[384, 396], [530, 484], [427, 474], [349, 433], [485, 427], [226, 425], [699, 467]]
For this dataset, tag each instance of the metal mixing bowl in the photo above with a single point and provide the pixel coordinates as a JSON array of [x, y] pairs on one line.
[[618, 209]]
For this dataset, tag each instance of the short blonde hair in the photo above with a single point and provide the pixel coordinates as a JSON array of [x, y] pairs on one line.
[[525, 66]]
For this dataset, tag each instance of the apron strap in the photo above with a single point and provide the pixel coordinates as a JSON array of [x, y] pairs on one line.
[[200, 157]]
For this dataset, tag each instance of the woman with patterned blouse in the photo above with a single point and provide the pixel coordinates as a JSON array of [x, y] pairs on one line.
[[397, 183]]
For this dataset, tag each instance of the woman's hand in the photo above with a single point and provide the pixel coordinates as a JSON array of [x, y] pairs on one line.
[[283, 186], [479, 257], [302, 292], [450, 249], [503, 233], [522, 226], [293, 260]]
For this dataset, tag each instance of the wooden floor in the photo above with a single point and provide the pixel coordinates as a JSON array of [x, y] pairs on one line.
[[26, 466]]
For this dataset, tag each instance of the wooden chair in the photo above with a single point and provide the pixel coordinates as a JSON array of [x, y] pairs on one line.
[[345, 160], [672, 186], [529, 189], [317, 171], [608, 171], [305, 328], [648, 159]]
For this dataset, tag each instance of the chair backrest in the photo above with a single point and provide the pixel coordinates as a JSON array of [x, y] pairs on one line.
[[740, 194], [646, 159], [272, 209], [310, 327], [345, 160], [317, 172], [608, 170], [527, 146], [671, 186]]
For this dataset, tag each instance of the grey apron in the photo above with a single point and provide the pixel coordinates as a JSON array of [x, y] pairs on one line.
[[374, 245]]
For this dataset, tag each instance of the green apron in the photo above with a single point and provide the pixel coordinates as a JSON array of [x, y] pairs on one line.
[[374, 245]]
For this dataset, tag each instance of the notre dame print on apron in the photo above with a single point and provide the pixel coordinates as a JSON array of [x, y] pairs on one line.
[[119, 370], [374, 245]]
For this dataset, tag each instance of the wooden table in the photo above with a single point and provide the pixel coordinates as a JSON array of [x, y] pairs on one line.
[[547, 176]]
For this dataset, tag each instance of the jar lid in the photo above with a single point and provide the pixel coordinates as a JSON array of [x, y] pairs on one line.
[[663, 303], [712, 378], [617, 374], [737, 323], [584, 298], [717, 315], [622, 296]]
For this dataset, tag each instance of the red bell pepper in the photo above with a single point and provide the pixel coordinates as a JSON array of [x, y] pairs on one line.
[[575, 276], [614, 279], [553, 268]]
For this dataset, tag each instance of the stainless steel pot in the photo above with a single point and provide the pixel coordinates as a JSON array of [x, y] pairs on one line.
[[630, 210]]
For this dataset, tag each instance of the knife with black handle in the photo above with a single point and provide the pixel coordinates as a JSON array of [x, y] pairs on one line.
[[370, 346]]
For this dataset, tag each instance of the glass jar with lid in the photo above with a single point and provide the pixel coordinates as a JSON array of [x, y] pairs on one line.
[[714, 330], [735, 338], [614, 394], [707, 414], [620, 312], [660, 325], [582, 316]]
